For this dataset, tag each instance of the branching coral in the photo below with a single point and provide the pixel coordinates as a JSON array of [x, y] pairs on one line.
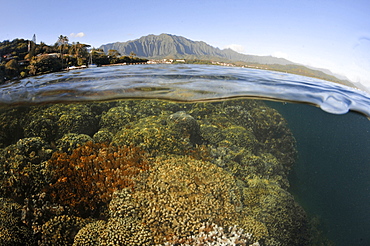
[[86, 179]]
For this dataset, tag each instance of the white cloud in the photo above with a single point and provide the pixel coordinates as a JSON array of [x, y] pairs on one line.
[[236, 47], [77, 35]]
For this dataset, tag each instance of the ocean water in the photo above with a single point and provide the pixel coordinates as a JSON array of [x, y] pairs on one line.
[[183, 155]]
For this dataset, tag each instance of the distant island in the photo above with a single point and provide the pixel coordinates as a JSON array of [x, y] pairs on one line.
[[20, 58]]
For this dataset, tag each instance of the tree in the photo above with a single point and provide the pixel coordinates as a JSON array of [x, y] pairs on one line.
[[62, 41], [99, 57], [132, 54], [79, 51], [113, 56], [45, 64], [2, 74], [12, 68], [113, 53]]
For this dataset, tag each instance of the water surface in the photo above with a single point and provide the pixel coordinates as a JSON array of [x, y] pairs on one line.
[[79, 155]]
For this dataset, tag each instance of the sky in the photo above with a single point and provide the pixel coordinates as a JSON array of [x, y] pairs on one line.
[[326, 34]]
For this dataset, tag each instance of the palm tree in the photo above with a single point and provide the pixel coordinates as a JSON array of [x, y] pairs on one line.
[[62, 41], [79, 51]]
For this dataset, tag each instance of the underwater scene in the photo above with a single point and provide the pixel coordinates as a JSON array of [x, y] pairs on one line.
[[183, 155]]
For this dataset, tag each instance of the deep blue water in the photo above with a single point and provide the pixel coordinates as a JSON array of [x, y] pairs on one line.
[[331, 178]]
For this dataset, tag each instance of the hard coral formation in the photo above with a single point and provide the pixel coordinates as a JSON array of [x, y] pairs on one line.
[[22, 168], [61, 230], [196, 168], [13, 231], [122, 228], [155, 136], [71, 141], [212, 234], [272, 131], [54, 121], [11, 122], [180, 193], [185, 126], [115, 118], [85, 180], [275, 207]]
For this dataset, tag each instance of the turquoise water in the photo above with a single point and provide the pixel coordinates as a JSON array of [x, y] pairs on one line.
[[331, 176], [247, 146]]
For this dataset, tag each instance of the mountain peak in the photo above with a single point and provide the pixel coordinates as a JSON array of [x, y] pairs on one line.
[[172, 46]]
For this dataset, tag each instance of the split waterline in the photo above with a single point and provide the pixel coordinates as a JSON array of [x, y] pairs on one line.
[[204, 147]]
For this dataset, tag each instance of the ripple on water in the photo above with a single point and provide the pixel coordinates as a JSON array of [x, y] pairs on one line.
[[183, 83]]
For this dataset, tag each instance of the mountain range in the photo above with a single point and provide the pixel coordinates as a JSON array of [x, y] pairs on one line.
[[178, 47]]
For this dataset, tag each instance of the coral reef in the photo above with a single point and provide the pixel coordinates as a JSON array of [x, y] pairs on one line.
[[185, 126], [61, 230], [180, 193], [115, 118], [146, 172], [71, 141], [52, 122], [212, 234], [13, 231], [272, 131], [85, 180], [286, 221], [11, 122], [22, 168], [103, 136], [122, 228], [155, 136]]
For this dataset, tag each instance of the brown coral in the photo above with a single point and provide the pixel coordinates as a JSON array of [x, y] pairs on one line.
[[86, 179]]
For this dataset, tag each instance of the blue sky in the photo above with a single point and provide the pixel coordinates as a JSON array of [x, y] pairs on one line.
[[327, 34]]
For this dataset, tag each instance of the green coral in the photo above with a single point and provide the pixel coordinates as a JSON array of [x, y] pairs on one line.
[[103, 136], [54, 121], [11, 122], [286, 221], [23, 166], [71, 141], [13, 231], [115, 118], [61, 230], [153, 134]]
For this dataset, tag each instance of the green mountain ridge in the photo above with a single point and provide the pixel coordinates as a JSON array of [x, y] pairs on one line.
[[178, 47]]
